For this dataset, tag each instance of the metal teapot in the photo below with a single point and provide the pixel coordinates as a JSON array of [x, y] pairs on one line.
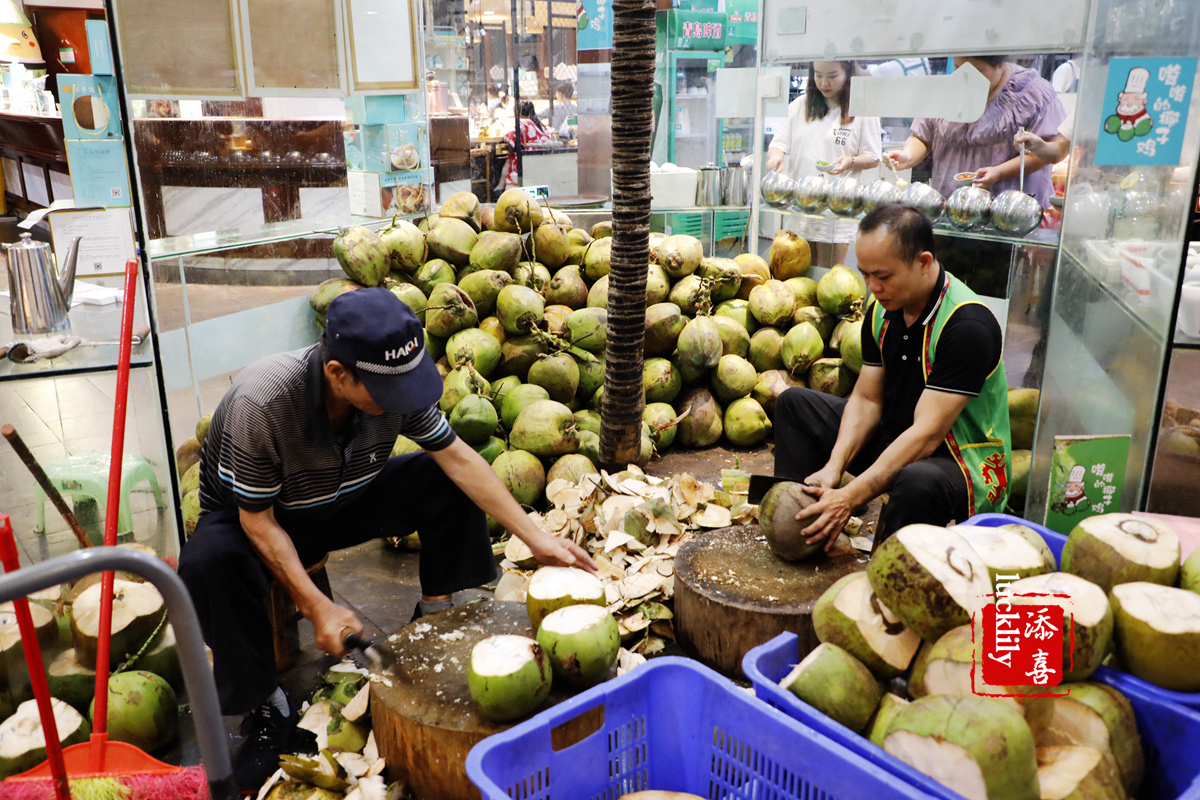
[[40, 295]]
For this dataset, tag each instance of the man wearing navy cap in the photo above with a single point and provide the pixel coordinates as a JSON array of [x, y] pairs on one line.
[[297, 464]]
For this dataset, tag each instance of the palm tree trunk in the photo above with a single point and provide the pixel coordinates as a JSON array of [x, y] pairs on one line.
[[633, 117]]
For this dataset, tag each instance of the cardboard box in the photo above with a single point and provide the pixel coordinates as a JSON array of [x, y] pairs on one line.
[[383, 194], [99, 50], [386, 148], [383, 109]]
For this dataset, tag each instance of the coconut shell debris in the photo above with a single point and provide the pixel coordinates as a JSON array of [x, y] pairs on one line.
[[633, 525]]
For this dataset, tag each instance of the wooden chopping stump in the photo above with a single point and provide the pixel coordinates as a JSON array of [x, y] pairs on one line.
[[732, 594], [425, 723]]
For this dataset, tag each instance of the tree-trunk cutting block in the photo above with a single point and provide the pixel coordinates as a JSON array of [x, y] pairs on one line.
[[425, 722], [732, 593]]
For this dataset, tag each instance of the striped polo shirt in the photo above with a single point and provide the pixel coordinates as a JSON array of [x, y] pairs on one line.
[[270, 443]]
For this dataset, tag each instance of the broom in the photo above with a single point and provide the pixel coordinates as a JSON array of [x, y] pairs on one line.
[[104, 770]]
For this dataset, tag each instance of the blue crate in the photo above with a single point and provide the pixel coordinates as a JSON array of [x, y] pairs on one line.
[[673, 725], [1170, 733], [1056, 541]]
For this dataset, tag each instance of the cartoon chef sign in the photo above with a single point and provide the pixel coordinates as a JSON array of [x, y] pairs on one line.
[[1132, 119]]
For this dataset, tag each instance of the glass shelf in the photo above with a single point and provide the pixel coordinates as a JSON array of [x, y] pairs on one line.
[[1042, 237], [90, 323], [1184, 342], [201, 243], [1147, 317]]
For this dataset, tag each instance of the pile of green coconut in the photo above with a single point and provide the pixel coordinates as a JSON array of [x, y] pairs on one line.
[[142, 700], [576, 645], [187, 465], [346, 763], [514, 305], [899, 664]]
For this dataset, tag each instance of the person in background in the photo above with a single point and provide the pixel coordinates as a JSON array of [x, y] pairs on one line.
[[493, 98], [1017, 98], [1066, 78], [564, 106], [532, 132], [819, 129]]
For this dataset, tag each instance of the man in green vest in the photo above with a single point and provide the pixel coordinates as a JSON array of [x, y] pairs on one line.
[[927, 421]]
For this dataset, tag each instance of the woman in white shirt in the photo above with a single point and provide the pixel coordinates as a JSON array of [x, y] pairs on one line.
[[819, 129]]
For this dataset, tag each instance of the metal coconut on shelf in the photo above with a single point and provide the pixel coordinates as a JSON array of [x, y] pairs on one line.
[[811, 194], [969, 208]]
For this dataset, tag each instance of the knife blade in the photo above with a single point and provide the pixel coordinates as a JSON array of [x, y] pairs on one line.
[[759, 485], [379, 658]]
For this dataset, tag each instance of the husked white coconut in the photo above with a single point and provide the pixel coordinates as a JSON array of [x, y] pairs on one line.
[[1005, 552], [582, 643], [1035, 539], [552, 588], [1084, 606], [1158, 634], [850, 615], [1093, 715], [23, 740], [1077, 773], [137, 609], [931, 578], [955, 666], [508, 677], [1110, 549]]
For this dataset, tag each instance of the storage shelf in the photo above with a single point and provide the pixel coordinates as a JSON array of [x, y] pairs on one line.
[[201, 243], [1115, 294]]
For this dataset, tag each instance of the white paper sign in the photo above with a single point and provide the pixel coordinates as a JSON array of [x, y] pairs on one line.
[[382, 45], [107, 241], [958, 97]]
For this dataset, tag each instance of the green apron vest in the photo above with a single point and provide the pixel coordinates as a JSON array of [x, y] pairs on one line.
[[979, 440]]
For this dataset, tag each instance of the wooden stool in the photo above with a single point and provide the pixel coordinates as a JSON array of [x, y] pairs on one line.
[[282, 610]]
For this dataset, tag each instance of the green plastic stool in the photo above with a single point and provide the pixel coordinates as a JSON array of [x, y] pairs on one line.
[[87, 476]]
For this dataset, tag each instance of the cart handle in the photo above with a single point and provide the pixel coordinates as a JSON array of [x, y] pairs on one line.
[[197, 676]]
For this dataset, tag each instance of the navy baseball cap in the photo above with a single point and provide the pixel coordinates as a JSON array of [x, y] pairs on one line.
[[378, 335]]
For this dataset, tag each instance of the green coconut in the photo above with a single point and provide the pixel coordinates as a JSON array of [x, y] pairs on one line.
[[745, 423], [551, 244], [517, 400], [433, 273], [661, 419], [726, 277], [660, 381], [916, 676], [954, 665], [686, 294], [589, 446], [703, 425], [680, 255], [737, 310], [735, 340], [582, 643], [1158, 634], [598, 294], [451, 239], [483, 287], [664, 323], [499, 389], [571, 467], [804, 290], [492, 449], [931, 578], [597, 258], [411, 296], [588, 420], [142, 710], [850, 615], [137, 610], [509, 677], [474, 419], [1035, 539], [790, 256], [463, 381], [658, 285], [190, 481], [1085, 607], [545, 428], [835, 683], [699, 344], [23, 740], [1091, 715], [496, 250], [587, 328], [532, 275], [363, 257], [473, 346], [1005, 552], [889, 706], [449, 311], [830, 376], [976, 746], [70, 681], [567, 288], [552, 588], [523, 474], [516, 212], [777, 517], [1189, 572], [839, 290], [770, 385], [772, 303], [558, 374], [1120, 548], [802, 346], [1022, 416], [734, 377], [1077, 773], [519, 308]]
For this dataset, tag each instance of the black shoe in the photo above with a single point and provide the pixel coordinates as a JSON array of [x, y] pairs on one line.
[[267, 735]]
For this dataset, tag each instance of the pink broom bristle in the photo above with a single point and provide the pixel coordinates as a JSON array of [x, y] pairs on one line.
[[189, 784]]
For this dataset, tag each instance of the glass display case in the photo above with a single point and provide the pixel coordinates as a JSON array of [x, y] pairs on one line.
[[1090, 303], [690, 49]]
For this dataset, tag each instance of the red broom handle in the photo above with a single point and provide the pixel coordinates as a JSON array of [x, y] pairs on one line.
[[113, 507], [33, 660]]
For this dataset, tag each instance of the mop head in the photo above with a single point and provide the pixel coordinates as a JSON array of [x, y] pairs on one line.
[[188, 784]]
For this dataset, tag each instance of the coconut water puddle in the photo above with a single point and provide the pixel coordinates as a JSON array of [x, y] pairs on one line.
[[736, 564]]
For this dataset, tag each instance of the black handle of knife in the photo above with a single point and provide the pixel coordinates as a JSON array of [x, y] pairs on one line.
[[355, 641]]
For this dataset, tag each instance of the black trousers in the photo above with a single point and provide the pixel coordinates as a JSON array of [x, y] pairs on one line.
[[932, 490], [228, 581]]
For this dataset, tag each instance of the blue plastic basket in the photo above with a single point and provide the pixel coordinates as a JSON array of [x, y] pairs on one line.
[[672, 725], [1056, 541], [1170, 733]]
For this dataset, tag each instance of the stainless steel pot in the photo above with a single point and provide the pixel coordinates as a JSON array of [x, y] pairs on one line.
[[925, 199], [845, 197], [1016, 212], [776, 189], [811, 193], [708, 187], [880, 193], [969, 208], [735, 190]]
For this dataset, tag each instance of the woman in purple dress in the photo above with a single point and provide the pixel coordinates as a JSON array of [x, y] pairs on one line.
[[1017, 98]]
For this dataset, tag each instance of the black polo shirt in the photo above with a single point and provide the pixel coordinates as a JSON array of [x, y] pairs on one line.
[[270, 443], [968, 350]]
